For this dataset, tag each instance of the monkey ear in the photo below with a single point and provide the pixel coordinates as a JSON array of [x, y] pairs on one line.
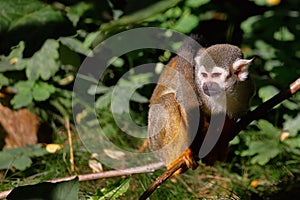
[[240, 68]]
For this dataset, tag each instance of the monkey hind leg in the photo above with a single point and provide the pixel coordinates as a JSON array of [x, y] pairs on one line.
[[188, 158]]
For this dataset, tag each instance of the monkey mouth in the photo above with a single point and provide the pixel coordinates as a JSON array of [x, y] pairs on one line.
[[210, 92]]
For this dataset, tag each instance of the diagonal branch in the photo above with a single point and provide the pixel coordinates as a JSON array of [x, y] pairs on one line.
[[162, 178], [265, 107]]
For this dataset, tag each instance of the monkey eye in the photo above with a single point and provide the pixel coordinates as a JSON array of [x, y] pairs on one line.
[[204, 74], [216, 74]]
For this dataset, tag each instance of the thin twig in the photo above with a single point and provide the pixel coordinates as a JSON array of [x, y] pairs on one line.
[[113, 173], [67, 125]]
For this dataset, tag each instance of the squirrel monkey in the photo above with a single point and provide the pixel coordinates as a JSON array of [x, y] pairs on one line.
[[207, 84]]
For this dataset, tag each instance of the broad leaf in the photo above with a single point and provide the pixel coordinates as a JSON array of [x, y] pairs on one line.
[[44, 62], [67, 190], [22, 162], [21, 100], [42, 91], [6, 160]]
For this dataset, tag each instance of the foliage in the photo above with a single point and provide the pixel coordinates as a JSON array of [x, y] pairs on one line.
[[20, 158], [43, 44]]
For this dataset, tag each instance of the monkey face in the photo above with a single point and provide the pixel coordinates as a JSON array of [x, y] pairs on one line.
[[211, 81]]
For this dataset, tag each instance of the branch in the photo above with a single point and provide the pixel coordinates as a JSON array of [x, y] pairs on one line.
[[113, 173], [162, 178], [265, 107], [241, 124], [67, 125]]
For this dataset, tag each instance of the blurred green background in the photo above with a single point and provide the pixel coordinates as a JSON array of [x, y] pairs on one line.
[[43, 44]]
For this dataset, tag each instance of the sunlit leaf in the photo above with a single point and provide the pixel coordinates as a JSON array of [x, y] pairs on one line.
[[196, 3], [266, 92], [186, 23]]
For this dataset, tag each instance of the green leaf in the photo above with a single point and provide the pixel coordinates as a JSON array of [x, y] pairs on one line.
[[20, 158], [98, 89], [116, 192], [293, 142], [76, 11], [21, 100], [3, 80], [22, 162], [196, 3], [265, 156], [14, 61], [103, 101], [42, 91], [67, 190], [36, 151], [266, 92], [292, 124], [265, 50], [283, 34], [267, 129], [90, 38], [15, 14], [76, 45], [44, 62], [6, 160], [24, 86], [186, 23], [138, 98], [24, 96], [290, 105], [262, 150]]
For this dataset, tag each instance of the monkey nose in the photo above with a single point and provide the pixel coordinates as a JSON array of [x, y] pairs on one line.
[[211, 88]]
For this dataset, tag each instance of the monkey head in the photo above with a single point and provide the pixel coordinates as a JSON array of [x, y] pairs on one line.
[[219, 70]]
